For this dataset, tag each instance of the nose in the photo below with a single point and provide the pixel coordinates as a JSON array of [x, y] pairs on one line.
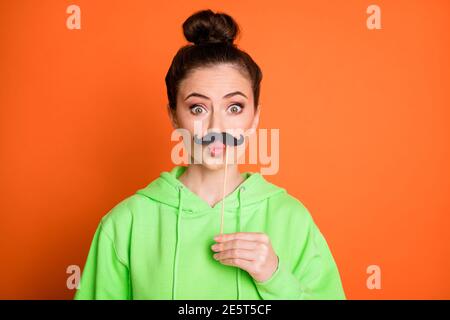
[[215, 122]]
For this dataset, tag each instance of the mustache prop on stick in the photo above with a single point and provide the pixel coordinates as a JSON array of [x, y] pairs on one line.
[[226, 139]]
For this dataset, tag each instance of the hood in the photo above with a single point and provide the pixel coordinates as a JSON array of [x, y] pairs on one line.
[[167, 189]]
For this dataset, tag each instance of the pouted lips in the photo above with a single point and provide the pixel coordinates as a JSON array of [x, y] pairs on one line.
[[216, 148]]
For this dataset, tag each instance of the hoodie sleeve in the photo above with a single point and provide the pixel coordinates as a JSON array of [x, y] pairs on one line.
[[314, 274], [104, 276]]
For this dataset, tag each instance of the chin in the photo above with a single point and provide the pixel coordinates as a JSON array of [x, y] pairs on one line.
[[213, 167]]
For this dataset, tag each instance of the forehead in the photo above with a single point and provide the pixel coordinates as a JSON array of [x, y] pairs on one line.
[[214, 80]]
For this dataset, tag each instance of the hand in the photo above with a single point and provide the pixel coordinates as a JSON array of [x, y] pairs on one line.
[[250, 251]]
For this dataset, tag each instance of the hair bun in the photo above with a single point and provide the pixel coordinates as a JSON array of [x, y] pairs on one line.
[[205, 27]]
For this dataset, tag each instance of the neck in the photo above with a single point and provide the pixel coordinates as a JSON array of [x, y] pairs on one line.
[[208, 184]]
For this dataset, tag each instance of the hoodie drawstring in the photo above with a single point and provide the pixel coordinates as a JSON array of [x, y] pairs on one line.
[[177, 244], [238, 270]]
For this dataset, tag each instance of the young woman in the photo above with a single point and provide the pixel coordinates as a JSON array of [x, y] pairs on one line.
[[164, 242]]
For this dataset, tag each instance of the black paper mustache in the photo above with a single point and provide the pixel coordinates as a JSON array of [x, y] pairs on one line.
[[223, 137]]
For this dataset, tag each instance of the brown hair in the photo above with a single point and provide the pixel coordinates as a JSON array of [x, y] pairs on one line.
[[212, 35]]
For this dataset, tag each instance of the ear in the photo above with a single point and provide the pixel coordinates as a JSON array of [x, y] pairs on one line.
[[255, 122], [172, 116]]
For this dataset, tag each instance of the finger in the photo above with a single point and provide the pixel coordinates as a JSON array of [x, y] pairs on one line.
[[236, 253], [251, 236], [240, 263], [236, 244]]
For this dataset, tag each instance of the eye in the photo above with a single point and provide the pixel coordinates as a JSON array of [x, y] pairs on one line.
[[235, 108], [197, 109]]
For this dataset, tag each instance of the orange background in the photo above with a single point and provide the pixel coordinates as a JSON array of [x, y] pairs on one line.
[[363, 116]]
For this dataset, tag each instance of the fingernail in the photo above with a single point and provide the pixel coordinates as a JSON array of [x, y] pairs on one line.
[[214, 247]]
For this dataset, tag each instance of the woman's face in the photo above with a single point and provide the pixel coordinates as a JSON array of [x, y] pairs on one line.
[[218, 98]]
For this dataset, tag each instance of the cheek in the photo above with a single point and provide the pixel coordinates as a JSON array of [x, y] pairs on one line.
[[244, 120], [192, 125], [189, 122], [185, 120]]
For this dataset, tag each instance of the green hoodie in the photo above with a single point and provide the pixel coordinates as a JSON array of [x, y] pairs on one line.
[[156, 244]]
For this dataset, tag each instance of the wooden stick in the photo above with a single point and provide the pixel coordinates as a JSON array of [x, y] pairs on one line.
[[224, 188]]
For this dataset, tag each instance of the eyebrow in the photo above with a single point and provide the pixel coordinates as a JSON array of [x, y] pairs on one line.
[[195, 94]]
